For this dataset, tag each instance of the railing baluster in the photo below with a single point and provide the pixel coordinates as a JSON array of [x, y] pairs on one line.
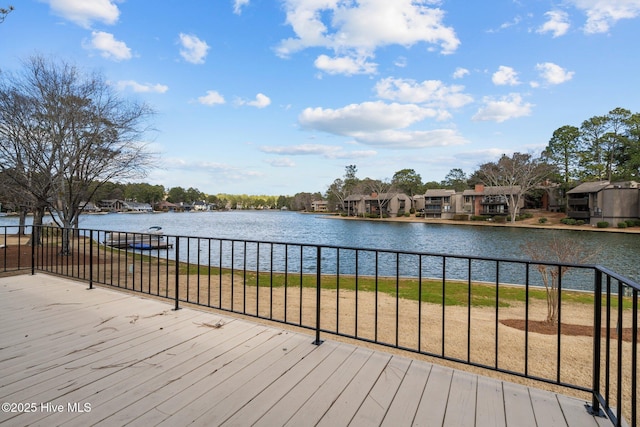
[[375, 325], [469, 311], [497, 312], [619, 333], [397, 298], [90, 259], [177, 278], [559, 338], [526, 321], [634, 358], [318, 292], [597, 328], [444, 268]]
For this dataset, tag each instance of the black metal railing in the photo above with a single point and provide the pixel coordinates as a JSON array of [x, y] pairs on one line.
[[506, 315]]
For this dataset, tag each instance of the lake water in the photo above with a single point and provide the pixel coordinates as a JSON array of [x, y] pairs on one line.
[[617, 251]]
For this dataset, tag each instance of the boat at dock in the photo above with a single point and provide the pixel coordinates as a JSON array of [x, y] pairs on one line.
[[149, 239]]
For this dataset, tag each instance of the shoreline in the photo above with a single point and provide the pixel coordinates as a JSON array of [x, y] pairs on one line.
[[552, 224]]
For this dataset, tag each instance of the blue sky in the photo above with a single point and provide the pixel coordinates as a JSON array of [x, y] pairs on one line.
[[278, 96]]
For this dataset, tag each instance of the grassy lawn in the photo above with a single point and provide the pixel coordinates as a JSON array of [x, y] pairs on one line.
[[455, 292]]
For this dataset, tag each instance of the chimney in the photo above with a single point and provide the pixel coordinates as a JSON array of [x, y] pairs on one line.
[[479, 188]]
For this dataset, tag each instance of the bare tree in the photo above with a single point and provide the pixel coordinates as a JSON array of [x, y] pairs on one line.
[[4, 12], [64, 133], [514, 177], [381, 191], [556, 250]]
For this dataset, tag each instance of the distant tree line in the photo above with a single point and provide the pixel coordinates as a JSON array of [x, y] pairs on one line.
[[604, 147]]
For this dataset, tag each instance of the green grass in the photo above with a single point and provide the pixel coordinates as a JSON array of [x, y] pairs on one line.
[[455, 292]]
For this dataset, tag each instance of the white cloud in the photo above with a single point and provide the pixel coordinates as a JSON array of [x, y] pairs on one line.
[[365, 117], [557, 25], [506, 25], [460, 73], [193, 49], [141, 88], [411, 139], [480, 156], [223, 172], [211, 98], [238, 5], [503, 108], [400, 62], [108, 46], [326, 151], [356, 29], [84, 12], [430, 92], [281, 162], [345, 65], [261, 101], [505, 76], [602, 14], [554, 74], [380, 124]]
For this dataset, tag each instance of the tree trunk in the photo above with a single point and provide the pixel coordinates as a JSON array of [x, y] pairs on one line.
[[23, 222], [36, 231]]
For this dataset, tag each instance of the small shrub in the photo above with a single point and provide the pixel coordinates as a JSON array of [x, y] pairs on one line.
[[542, 220], [602, 224], [622, 224], [500, 219], [631, 223], [568, 221], [461, 217], [525, 215], [479, 217], [407, 214], [580, 222]]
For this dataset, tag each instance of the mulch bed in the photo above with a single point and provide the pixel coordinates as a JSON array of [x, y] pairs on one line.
[[546, 328]]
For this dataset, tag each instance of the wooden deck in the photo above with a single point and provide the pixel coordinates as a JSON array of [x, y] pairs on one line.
[[78, 357]]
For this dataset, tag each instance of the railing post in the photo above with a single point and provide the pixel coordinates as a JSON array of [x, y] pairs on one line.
[[177, 276], [318, 341], [597, 331], [33, 250], [90, 259]]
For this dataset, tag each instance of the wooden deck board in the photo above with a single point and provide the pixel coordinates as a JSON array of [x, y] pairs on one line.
[[490, 403], [137, 362], [461, 407]]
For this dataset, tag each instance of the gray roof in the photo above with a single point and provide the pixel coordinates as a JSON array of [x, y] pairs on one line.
[[589, 187], [491, 191], [381, 196], [439, 193]]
